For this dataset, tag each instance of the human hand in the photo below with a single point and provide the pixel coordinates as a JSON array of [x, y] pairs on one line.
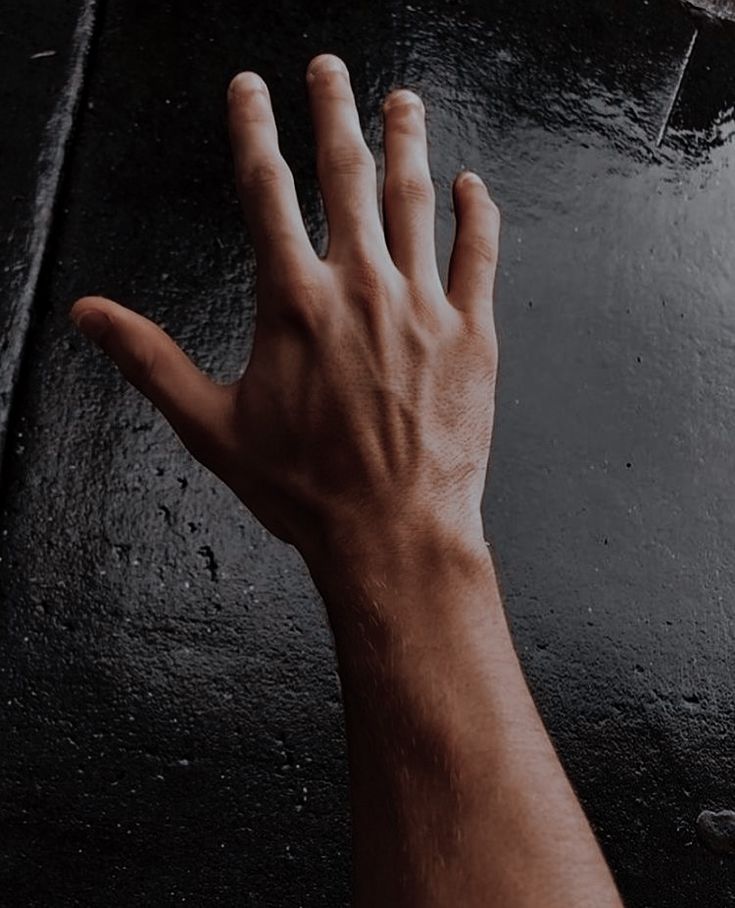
[[367, 401], [360, 432]]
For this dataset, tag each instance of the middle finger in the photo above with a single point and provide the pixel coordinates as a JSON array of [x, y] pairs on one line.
[[345, 164]]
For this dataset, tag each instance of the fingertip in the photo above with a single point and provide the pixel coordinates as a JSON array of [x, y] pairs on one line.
[[154, 363], [245, 82], [476, 195], [325, 63], [94, 324], [402, 97], [468, 178], [86, 304], [89, 316], [475, 252]]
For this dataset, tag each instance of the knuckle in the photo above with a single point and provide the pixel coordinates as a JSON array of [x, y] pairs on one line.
[[301, 290], [479, 247], [309, 318], [347, 159], [481, 335], [418, 189], [367, 283], [262, 174], [300, 299], [428, 325]]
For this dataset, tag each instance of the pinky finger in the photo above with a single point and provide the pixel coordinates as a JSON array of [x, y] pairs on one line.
[[475, 252]]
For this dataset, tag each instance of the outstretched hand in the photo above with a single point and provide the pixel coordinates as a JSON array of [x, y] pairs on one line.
[[360, 432], [368, 394]]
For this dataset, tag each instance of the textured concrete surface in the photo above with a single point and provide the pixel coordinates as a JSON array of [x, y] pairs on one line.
[[44, 49], [170, 716], [718, 9]]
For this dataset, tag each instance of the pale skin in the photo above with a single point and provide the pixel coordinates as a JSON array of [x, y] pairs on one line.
[[360, 433]]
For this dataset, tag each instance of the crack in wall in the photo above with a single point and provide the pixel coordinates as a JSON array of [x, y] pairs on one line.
[[55, 147], [677, 89]]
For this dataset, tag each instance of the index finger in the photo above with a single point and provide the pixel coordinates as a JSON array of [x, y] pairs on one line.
[[264, 181]]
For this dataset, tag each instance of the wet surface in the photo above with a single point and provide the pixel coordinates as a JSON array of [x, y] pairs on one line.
[[171, 713]]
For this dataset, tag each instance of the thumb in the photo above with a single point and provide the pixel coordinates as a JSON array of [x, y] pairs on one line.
[[153, 363]]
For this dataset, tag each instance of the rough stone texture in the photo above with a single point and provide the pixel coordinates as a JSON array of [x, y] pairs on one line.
[[720, 9], [171, 723], [44, 49], [716, 829]]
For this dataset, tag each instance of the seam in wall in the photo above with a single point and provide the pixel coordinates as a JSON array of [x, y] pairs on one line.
[[57, 141], [677, 88]]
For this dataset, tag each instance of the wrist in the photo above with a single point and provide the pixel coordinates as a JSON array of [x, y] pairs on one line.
[[405, 591], [354, 548], [419, 631]]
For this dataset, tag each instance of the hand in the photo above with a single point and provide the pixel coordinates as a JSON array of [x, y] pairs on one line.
[[360, 429], [368, 397]]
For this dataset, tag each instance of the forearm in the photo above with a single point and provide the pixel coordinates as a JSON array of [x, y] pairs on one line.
[[458, 797], [371, 386]]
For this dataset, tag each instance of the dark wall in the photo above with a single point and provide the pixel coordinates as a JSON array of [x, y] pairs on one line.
[[170, 718]]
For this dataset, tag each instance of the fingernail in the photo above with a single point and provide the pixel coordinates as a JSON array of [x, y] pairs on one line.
[[245, 82], [403, 96], [93, 324], [469, 177], [326, 63]]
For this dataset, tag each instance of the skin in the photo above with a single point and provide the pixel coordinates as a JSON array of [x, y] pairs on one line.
[[359, 433]]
